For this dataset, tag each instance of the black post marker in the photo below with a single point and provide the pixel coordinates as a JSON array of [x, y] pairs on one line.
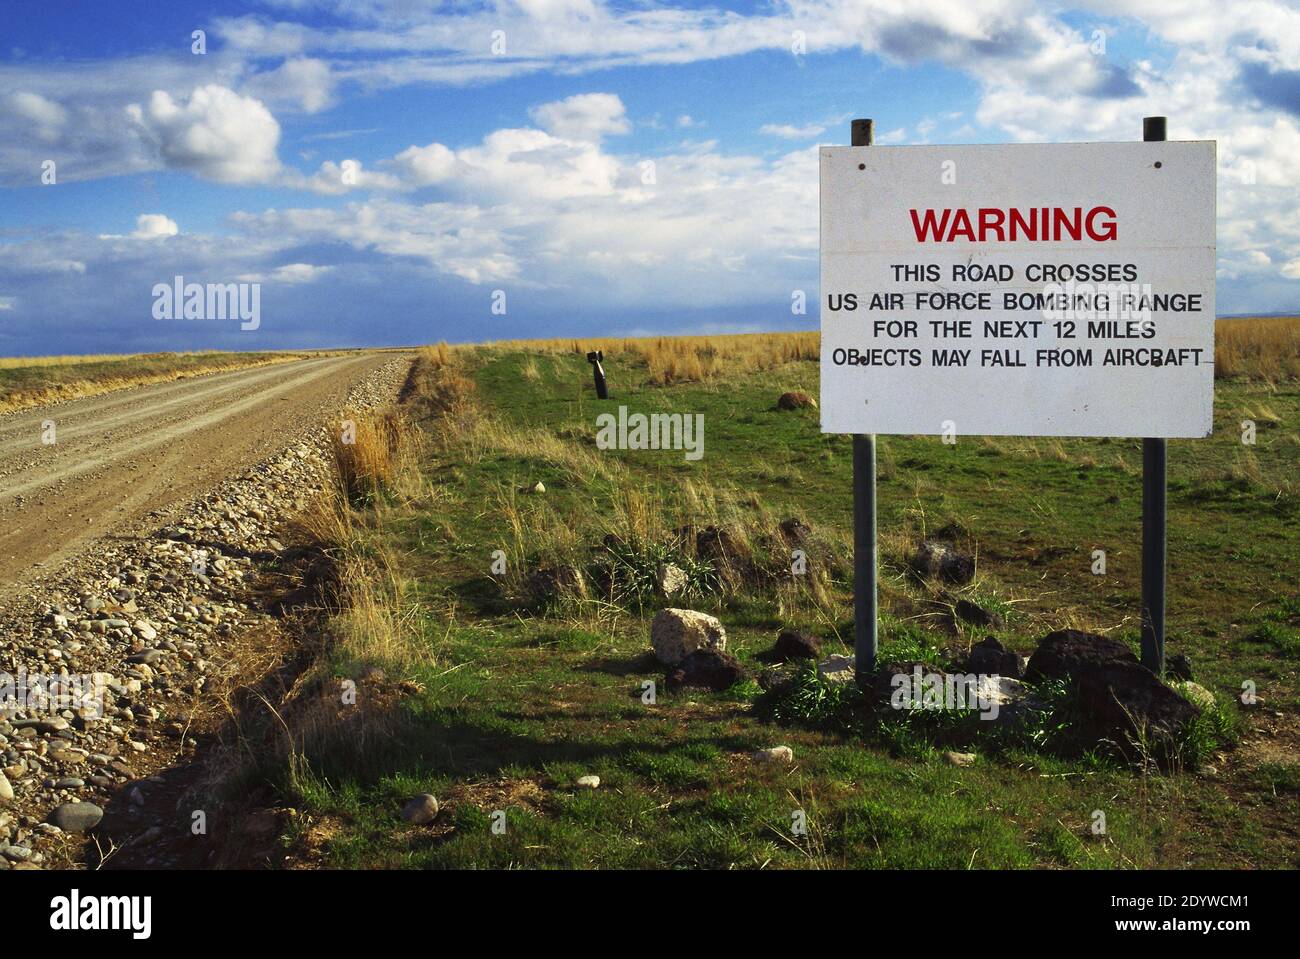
[[594, 358], [1154, 472]]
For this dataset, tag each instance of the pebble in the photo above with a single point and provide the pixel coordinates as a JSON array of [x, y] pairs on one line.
[[588, 782], [77, 816]]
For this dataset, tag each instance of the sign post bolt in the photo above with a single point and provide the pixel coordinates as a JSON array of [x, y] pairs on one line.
[[865, 612], [1154, 472]]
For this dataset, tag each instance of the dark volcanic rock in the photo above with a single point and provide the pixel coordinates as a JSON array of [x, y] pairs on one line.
[[1120, 700], [1127, 698], [1179, 667], [706, 669], [1067, 653], [943, 561], [551, 583], [721, 547], [993, 659], [795, 531], [978, 615], [794, 644]]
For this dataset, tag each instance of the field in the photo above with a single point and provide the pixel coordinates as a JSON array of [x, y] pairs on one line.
[[496, 694], [34, 381]]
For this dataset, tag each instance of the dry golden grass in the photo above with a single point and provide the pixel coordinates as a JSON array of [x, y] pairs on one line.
[[1264, 348], [680, 359], [368, 454], [1260, 348], [34, 381]]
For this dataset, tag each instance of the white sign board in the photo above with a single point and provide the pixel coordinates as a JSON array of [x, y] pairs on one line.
[[1027, 289]]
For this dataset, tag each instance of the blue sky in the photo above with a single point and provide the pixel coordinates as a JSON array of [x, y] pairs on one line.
[[382, 169]]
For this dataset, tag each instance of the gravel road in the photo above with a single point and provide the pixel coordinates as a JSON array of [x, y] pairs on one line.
[[117, 457]]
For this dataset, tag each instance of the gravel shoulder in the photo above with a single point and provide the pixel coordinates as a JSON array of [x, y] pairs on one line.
[[128, 554]]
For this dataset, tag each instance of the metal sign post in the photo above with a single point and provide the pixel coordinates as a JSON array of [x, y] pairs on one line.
[[1154, 472], [865, 613]]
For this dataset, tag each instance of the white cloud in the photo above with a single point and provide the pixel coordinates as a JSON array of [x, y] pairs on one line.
[[47, 116], [6, 303], [426, 165], [216, 134], [304, 82], [289, 273], [788, 132], [586, 116], [151, 226]]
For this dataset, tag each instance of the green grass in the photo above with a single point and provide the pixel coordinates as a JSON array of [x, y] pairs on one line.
[[521, 701]]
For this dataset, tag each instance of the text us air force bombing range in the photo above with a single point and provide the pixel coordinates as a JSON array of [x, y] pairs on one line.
[[1027, 289]]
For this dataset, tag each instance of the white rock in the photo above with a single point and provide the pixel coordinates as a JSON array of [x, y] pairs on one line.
[[6, 790], [588, 782], [145, 631], [1198, 695], [777, 754], [676, 633], [837, 668], [1002, 690], [671, 579], [960, 759]]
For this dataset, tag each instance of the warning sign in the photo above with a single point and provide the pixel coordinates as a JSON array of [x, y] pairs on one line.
[[1027, 289]]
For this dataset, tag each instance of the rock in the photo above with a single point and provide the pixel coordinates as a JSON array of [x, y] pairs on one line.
[[941, 560], [1067, 653], [676, 633], [970, 612], [722, 547], [420, 809], [795, 401], [670, 580], [960, 759], [991, 658], [795, 531], [838, 669], [706, 668], [588, 782], [777, 754], [77, 816], [794, 644], [1198, 694], [1178, 667], [6, 789], [1119, 698], [776, 680], [1122, 699], [145, 631], [1003, 690], [538, 487], [553, 583]]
